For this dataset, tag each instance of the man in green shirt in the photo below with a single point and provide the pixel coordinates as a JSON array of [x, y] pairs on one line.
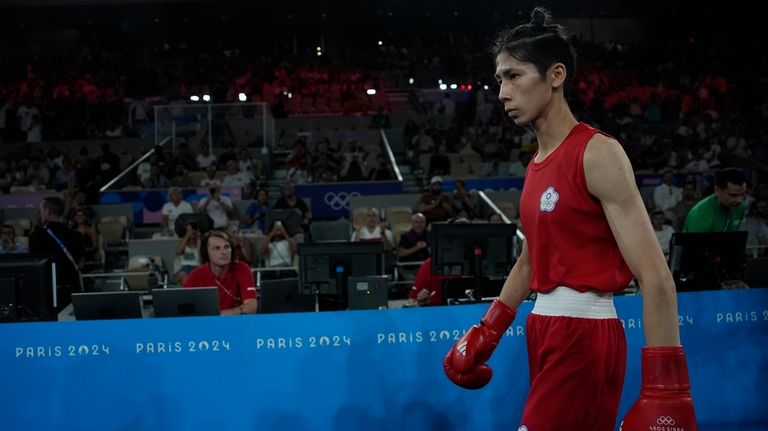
[[724, 210]]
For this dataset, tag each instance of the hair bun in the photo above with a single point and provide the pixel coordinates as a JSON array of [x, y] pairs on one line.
[[540, 17]]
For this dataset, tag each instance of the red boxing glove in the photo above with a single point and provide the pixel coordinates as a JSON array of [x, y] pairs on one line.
[[465, 362], [665, 398]]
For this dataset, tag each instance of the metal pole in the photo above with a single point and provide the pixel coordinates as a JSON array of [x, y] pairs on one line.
[[157, 129], [133, 165], [391, 155], [210, 131]]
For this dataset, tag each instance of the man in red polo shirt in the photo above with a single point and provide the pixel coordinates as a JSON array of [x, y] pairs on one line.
[[237, 290]]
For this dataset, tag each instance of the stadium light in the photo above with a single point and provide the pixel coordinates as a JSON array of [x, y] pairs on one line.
[[381, 43], [242, 97], [370, 91], [410, 81]]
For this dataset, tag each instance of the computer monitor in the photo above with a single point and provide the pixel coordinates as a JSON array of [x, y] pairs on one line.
[[325, 267], [189, 301], [368, 293], [704, 260], [28, 288], [107, 305], [479, 250], [284, 296]]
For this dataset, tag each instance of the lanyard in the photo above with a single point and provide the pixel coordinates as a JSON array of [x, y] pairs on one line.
[[66, 252], [237, 299], [61, 245]]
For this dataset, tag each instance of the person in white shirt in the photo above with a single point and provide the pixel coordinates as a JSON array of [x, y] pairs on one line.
[[666, 195], [218, 207], [206, 158], [235, 177], [374, 230], [25, 114], [279, 248], [175, 207], [662, 230]]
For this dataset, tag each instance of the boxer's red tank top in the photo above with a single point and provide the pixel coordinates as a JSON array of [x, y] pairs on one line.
[[569, 240]]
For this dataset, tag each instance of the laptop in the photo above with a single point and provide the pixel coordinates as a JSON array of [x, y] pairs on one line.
[[180, 301], [107, 305]]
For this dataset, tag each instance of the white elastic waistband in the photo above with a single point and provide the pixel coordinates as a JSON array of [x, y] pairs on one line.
[[566, 302]]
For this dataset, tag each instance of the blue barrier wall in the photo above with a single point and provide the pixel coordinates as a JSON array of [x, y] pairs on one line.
[[371, 370]]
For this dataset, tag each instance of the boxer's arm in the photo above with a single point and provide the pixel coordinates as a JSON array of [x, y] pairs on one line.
[[610, 178], [515, 288]]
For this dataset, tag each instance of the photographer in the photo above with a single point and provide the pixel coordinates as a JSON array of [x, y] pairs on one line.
[[218, 207], [280, 249], [188, 250], [354, 168]]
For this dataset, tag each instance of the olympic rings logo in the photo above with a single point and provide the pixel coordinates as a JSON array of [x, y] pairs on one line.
[[665, 420], [339, 200]]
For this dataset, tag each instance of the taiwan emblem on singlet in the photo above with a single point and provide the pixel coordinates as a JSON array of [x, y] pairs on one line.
[[548, 200]]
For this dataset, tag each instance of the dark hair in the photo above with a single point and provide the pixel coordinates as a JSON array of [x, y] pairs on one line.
[[540, 43], [204, 258], [54, 204], [729, 175], [752, 207], [490, 216], [11, 227]]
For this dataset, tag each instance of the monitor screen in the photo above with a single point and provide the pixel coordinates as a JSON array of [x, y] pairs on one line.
[[189, 301], [284, 296], [480, 250], [707, 260], [32, 279], [325, 267], [107, 305]]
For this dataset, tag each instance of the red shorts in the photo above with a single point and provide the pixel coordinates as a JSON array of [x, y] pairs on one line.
[[576, 364]]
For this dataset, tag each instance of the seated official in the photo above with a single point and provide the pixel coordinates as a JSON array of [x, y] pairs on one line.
[[237, 289], [52, 236], [427, 288]]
